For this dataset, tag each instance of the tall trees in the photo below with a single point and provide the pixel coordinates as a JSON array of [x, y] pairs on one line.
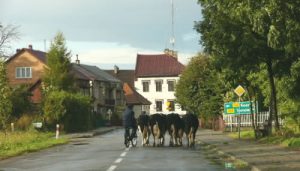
[[7, 34], [61, 104], [246, 34], [57, 74], [5, 93], [199, 88]]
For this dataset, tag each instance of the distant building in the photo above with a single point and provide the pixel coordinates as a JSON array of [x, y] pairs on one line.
[[132, 97], [27, 67], [155, 79], [106, 90]]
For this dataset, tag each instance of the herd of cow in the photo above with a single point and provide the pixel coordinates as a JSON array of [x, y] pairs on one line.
[[174, 124]]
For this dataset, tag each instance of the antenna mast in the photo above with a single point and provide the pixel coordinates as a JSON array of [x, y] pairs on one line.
[[172, 39], [45, 48]]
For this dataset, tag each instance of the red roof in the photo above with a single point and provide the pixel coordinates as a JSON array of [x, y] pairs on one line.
[[133, 97], [160, 65]]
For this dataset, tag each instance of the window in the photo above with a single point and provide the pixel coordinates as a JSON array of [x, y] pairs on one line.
[[158, 85], [171, 85], [145, 107], [171, 105], [23, 72], [158, 105], [146, 86]]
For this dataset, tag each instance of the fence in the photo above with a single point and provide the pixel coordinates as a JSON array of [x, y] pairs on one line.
[[246, 121]]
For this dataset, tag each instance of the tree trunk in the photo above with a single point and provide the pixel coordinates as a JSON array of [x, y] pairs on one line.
[[251, 110], [273, 100]]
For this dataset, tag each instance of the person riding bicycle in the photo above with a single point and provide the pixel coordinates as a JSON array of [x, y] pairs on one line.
[[129, 122]]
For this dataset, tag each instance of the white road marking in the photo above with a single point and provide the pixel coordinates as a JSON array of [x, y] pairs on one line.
[[112, 168], [123, 154], [119, 160]]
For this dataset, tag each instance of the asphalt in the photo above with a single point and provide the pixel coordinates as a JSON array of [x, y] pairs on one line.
[[98, 131], [258, 156]]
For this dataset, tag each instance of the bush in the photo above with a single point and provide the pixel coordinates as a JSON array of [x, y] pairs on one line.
[[71, 110], [21, 101], [24, 122], [117, 118]]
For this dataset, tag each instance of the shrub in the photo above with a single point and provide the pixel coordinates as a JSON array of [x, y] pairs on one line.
[[21, 101], [71, 110], [24, 122]]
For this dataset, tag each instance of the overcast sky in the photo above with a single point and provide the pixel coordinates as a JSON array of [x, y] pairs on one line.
[[106, 32]]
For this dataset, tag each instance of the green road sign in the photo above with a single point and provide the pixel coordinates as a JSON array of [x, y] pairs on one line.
[[236, 108]]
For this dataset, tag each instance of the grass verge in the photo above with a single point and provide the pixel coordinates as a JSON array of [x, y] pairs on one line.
[[293, 142], [17, 143], [244, 135]]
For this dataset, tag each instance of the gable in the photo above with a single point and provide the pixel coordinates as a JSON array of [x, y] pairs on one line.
[[24, 59]]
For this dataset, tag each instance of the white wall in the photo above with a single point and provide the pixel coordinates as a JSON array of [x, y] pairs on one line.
[[152, 95]]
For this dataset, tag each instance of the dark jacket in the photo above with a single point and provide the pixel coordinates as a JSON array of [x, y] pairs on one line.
[[128, 118]]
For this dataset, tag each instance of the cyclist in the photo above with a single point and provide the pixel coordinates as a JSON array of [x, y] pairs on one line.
[[129, 122]]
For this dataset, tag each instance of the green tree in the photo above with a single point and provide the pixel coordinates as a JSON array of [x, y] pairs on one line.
[[57, 75], [200, 89], [5, 93], [70, 109], [21, 101], [249, 33]]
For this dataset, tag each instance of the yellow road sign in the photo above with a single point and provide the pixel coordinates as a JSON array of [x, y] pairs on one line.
[[239, 91]]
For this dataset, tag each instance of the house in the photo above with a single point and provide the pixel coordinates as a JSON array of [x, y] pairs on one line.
[[27, 66], [132, 97], [155, 79], [106, 90]]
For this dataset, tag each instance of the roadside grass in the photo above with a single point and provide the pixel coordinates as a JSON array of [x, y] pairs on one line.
[[293, 142], [246, 134], [20, 142]]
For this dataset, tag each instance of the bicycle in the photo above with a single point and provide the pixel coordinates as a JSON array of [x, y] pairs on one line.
[[131, 137]]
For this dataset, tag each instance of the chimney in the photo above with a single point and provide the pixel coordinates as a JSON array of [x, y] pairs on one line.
[[30, 47], [172, 53], [116, 69], [77, 60]]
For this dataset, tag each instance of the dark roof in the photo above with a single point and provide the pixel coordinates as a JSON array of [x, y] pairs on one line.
[[126, 76], [133, 97], [42, 56], [160, 65], [82, 71]]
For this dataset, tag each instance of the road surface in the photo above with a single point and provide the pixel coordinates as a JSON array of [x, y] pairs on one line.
[[107, 153]]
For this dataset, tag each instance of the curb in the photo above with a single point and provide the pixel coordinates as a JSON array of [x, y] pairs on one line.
[[95, 133], [92, 133]]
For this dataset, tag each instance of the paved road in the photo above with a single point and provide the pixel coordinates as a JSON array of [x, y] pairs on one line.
[[107, 153]]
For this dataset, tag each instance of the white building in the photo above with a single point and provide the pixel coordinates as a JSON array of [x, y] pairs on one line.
[[155, 79]]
